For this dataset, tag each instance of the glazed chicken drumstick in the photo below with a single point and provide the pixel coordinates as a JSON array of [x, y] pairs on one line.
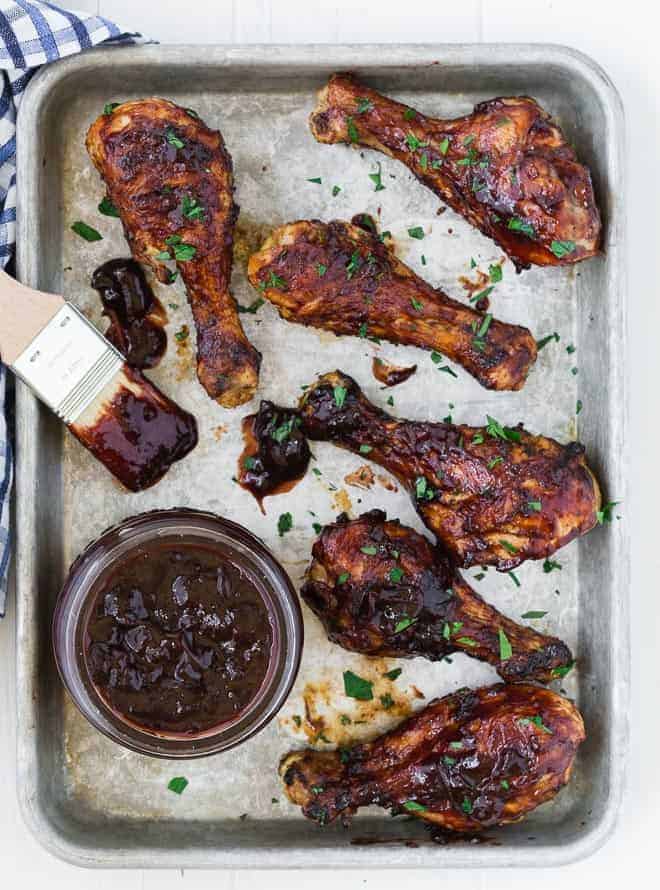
[[380, 588], [506, 168], [492, 495], [170, 178], [473, 759], [339, 277]]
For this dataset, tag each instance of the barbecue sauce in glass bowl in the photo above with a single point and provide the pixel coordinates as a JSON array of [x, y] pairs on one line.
[[178, 634]]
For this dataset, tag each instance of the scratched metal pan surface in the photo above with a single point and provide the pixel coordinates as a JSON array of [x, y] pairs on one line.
[[93, 803]]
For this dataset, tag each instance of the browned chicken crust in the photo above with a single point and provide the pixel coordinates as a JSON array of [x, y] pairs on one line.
[[170, 177], [471, 760], [381, 588], [341, 278], [492, 495], [506, 167]]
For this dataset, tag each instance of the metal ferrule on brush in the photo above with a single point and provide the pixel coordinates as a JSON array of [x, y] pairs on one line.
[[68, 363]]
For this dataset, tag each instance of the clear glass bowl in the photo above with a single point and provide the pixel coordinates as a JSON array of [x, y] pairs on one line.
[[87, 576]]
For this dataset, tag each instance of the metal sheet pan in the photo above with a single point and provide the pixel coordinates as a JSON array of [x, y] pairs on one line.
[[94, 804]]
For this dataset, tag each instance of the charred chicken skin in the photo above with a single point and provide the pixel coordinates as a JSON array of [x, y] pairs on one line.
[[366, 291], [506, 168], [471, 760], [381, 588], [492, 495], [170, 178]]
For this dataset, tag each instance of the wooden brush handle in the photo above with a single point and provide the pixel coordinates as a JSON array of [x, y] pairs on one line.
[[23, 313]]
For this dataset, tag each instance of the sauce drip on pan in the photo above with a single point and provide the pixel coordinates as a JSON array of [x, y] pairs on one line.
[[276, 453], [391, 375], [138, 432], [178, 639], [136, 316]]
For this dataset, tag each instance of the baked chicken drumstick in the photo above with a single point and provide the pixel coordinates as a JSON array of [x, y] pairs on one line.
[[506, 168], [473, 759], [492, 495], [339, 277], [381, 588], [170, 178]]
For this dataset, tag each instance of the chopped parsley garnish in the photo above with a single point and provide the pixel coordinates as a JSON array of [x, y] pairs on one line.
[[318, 528], [514, 578], [182, 252], [107, 208], [545, 340], [493, 463], [343, 578], [505, 646], [467, 641], [469, 159], [550, 565], [109, 107], [394, 674], [377, 180], [436, 358], [364, 105], [423, 491], [508, 545], [449, 761], [390, 401], [335, 190], [253, 308], [396, 574], [536, 506], [352, 130], [284, 524], [353, 264], [413, 807], [578, 406], [282, 432], [363, 330], [414, 143], [274, 281], [605, 513], [468, 140], [182, 334], [456, 746], [444, 146], [562, 248], [191, 208], [533, 614], [423, 260], [316, 179], [321, 270], [424, 161], [173, 139], [537, 720], [358, 687], [339, 393], [85, 231], [369, 550], [316, 789], [409, 114], [482, 294], [416, 232], [479, 341], [297, 720], [249, 463], [559, 673], [570, 349], [495, 273], [387, 701], [467, 806], [365, 449], [574, 371], [505, 785], [417, 306], [495, 429], [518, 225], [178, 784], [477, 440], [403, 624]]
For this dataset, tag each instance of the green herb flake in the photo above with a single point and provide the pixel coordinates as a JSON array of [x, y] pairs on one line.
[[297, 720], [178, 784], [318, 528], [562, 248], [494, 462], [537, 720], [404, 624], [376, 178], [417, 306], [253, 308], [352, 130], [551, 565], [107, 208], [578, 406], [423, 260], [416, 232], [191, 208], [559, 673], [369, 550], [516, 224], [414, 143], [605, 513], [339, 393], [316, 179], [87, 232], [505, 646], [467, 641], [444, 146], [467, 806], [545, 340], [275, 281], [456, 746], [396, 574], [343, 578], [321, 270], [497, 431], [394, 674], [413, 807], [449, 761], [387, 701], [508, 546], [390, 401], [353, 264], [514, 578], [173, 139], [109, 107], [505, 785], [533, 614], [570, 349], [364, 105], [486, 292], [335, 190], [249, 463], [423, 491], [284, 524], [182, 334], [357, 687], [409, 114], [495, 273], [365, 449]]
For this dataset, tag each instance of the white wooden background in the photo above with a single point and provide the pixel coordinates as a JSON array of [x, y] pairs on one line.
[[623, 38]]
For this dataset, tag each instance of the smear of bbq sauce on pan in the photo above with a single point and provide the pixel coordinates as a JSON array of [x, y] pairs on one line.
[[136, 316], [391, 375], [137, 432], [275, 454]]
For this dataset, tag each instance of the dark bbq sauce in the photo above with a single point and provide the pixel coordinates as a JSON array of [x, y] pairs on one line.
[[391, 375], [136, 316], [178, 639], [276, 453]]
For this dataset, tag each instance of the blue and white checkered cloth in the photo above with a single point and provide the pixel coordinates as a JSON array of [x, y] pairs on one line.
[[31, 34]]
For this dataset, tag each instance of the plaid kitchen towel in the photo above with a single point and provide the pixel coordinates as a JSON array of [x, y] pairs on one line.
[[31, 34]]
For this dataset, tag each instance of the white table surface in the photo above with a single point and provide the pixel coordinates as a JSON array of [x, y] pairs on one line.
[[622, 37]]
